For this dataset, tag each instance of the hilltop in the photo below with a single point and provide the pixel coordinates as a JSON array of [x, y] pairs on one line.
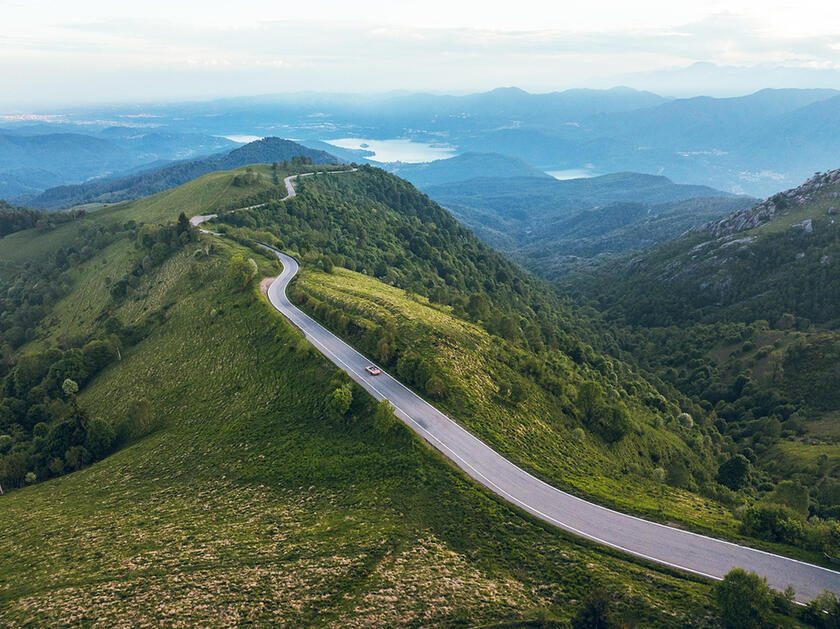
[[265, 151]]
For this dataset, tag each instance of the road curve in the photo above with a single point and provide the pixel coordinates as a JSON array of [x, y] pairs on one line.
[[672, 547], [656, 542]]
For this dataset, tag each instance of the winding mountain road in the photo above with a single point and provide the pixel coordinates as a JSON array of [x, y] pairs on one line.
[[676, 548]]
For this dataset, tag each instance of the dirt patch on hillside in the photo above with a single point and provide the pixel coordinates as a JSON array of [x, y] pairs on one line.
[[265, 283]]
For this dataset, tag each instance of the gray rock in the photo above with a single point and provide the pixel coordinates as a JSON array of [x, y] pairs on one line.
[[800, 255]]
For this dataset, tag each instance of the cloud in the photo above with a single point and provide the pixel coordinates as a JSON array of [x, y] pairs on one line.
[[173, 59]]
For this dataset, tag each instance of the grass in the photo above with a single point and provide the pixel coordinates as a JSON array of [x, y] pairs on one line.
[[249, 505], [536, 433]]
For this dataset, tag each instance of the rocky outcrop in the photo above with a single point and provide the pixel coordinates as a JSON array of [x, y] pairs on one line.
[[820, 185]]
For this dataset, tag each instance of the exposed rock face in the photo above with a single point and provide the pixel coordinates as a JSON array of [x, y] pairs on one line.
[[768, 209]]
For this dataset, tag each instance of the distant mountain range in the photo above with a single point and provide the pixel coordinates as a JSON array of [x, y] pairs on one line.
[[752, 144], [30, 163], [551, 226], [263, 151]]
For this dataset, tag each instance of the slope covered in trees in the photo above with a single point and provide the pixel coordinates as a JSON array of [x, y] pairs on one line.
[[552, 226], [742, 315]]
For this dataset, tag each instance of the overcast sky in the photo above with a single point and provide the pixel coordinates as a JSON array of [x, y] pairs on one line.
[[64, 53]]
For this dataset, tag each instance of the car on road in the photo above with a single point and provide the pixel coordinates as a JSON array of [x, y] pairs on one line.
[[373, 370]]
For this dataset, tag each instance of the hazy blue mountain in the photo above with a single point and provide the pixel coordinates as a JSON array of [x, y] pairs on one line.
[[29, 162], [263, 151], [463, 167], [752, 144]]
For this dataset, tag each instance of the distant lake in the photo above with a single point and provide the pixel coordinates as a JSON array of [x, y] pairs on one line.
[[397, 150], [572, 173], [242, 139]]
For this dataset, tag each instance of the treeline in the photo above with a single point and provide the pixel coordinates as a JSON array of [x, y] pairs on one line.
[[28, 291], [15, 219], [693, 280], [43, 430]]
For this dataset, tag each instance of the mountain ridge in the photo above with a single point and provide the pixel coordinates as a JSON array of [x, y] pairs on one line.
[[269, 150]]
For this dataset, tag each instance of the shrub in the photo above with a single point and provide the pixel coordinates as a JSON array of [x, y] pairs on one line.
[[685, 420], [734, 473], [339, 401], [774, 523], [744, 599]]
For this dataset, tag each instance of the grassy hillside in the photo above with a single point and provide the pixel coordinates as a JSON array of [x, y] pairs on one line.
[[503, 396], [241, 499], [553, 380]]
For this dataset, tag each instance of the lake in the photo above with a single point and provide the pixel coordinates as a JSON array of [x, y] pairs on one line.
[[397, 150], [572, 173]]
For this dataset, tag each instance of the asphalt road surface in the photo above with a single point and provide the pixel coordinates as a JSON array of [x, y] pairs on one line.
[[656, 542]]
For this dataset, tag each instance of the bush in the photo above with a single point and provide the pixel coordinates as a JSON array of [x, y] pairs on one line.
[[774, 523], [339, 401], [596, 612], [744, 599], [734, 473]]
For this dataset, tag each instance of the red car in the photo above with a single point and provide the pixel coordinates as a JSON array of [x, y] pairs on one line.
[[373, 370]]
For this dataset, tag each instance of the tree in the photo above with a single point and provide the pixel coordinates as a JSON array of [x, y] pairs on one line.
[[744, 599], [678, 475], [589, 399], [478, 307], [339, 401], [100, 438], [774, 523], [735, 472], [70, 388], [791, 494], [77, 457], [183, 224], [241, 271], [383, 417]]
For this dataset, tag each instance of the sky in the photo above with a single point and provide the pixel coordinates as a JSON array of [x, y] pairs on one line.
[[92, 51]]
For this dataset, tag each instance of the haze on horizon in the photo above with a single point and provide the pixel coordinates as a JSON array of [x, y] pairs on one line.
[[91, 51]]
